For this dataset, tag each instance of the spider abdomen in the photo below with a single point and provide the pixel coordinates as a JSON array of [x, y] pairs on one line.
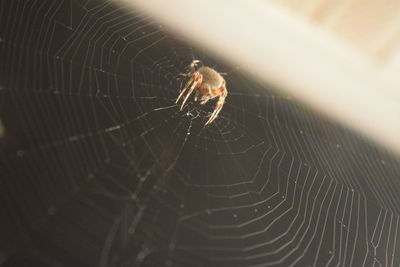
[[212, 78]]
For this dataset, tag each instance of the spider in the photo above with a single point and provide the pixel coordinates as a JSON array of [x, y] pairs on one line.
[[207, 84]]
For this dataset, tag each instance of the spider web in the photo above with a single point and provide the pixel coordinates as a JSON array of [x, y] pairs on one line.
[[101, 168]]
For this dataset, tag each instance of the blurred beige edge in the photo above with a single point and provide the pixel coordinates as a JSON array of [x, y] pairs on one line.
[[341, 57]]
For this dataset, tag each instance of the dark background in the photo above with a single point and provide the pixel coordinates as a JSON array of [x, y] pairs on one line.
[[100, 168]]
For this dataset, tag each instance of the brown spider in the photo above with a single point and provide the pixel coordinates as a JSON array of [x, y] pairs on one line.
[[208, 84]]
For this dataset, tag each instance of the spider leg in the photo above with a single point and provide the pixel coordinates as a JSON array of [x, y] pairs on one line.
[[189, 93], [194, 81], [215, 113], [205, 100], [191, 80], [218, 107], [207, 97]]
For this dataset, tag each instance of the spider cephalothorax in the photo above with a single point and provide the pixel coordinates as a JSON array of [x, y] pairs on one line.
[[207, 84]]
